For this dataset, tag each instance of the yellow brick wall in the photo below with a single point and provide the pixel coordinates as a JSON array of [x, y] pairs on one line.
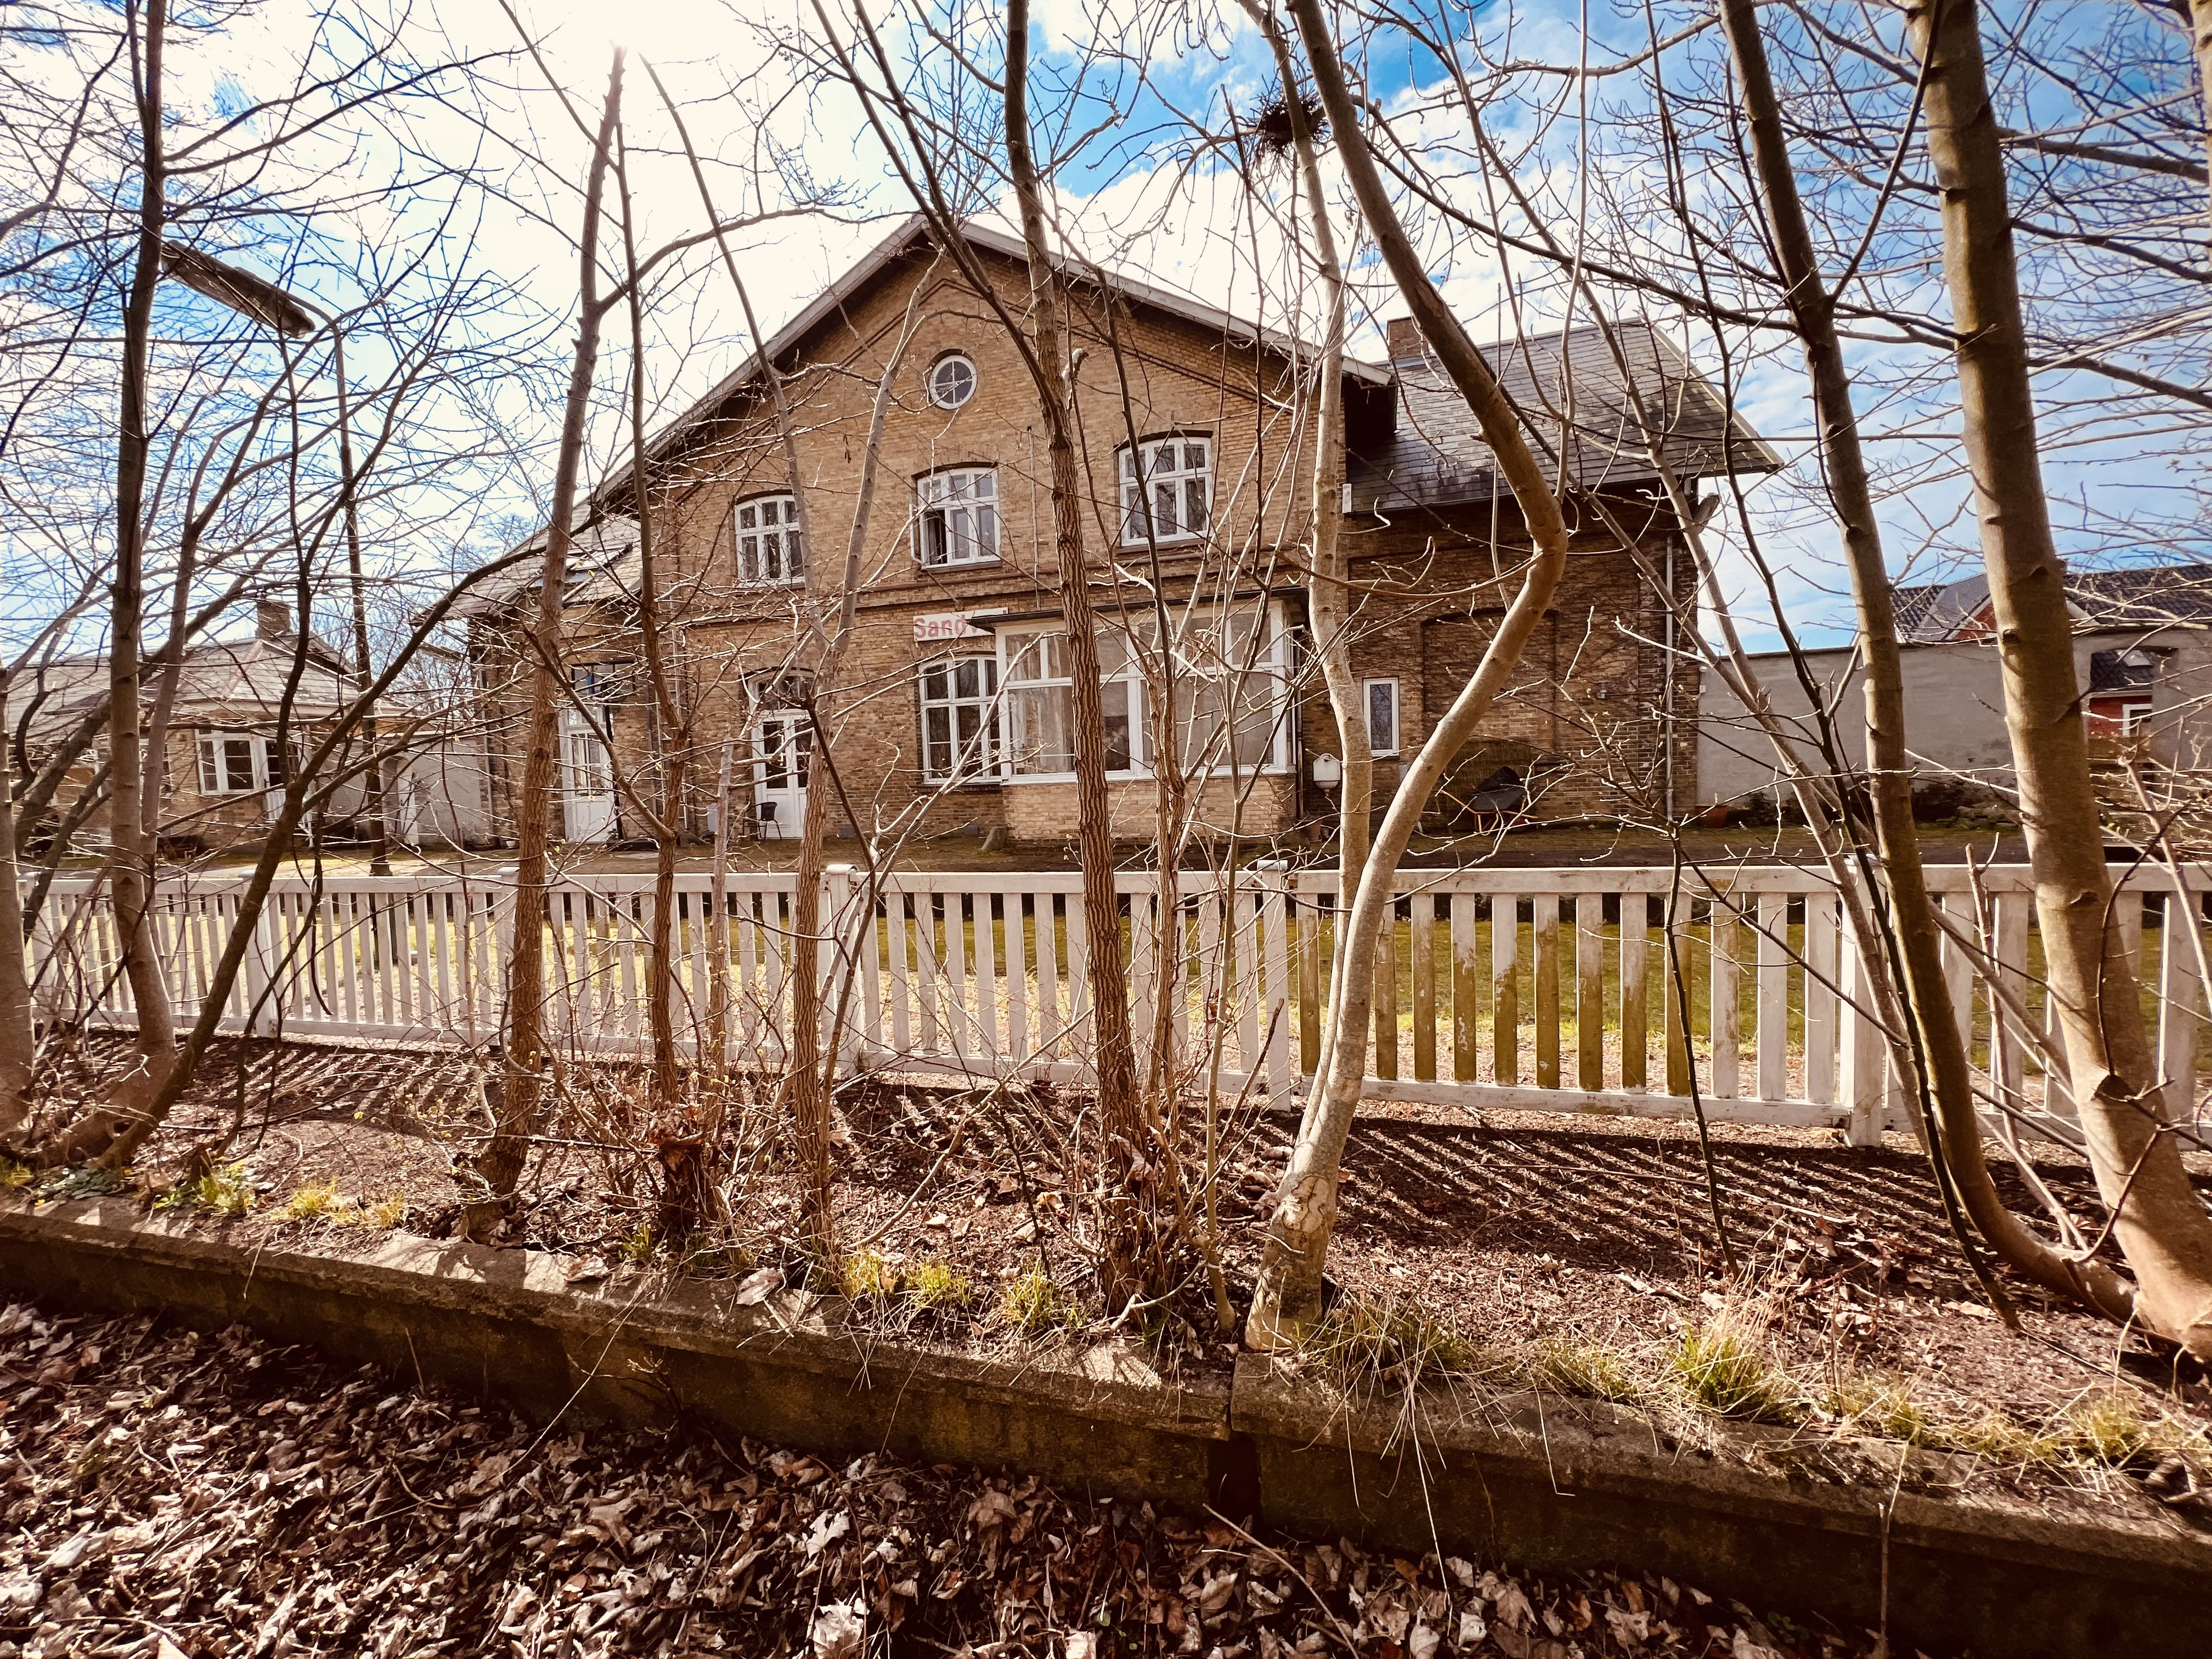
[[1179, 377]]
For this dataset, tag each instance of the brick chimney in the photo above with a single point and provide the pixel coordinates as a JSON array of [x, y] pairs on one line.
[[1403, 335], [271, 620]]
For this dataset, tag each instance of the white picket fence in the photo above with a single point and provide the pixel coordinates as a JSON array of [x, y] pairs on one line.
[[1573, 1005]]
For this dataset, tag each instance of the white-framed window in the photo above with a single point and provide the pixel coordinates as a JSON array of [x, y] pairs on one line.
[[959, 522], [1167, 489], [1039, 703], [768, 551], [590, 775], [952, 380], [238, 763], [1229, 677], [1381, 717], [960, 718]]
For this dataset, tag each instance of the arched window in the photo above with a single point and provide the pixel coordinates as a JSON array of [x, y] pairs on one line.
[[768, 553]]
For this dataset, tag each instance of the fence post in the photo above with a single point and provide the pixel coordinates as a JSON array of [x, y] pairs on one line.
[[2181, 1002], [1865, 1081], [1275, 1009], [260, 1018], [835, 963], [504, 906]]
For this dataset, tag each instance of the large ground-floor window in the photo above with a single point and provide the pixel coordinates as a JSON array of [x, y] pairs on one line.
[[1223, 674]]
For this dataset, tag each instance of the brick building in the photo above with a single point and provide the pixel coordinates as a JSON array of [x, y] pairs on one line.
[[952, 713], [221, 764]]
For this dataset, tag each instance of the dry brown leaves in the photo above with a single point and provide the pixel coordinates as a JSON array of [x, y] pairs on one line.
[[177, 1495]]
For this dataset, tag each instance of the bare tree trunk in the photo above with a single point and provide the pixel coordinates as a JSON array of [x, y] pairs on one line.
[[18, 1032], [2158, 1219], [1928, 993], [364, 662], [1289, 1290], [2200, 27], [718, 959], [521, 1105], [1332, 592], [672, 745], [131, 878], [1121, 1116]]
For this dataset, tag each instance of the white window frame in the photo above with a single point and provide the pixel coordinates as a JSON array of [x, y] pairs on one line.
[[1174, 495], [1274, 661], [984, 764], [772, 537], [957, 508], [261, 772], [975, 381], [1367, 690]]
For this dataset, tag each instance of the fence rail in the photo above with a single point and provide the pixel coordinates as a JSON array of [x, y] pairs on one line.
[[1577, 990]]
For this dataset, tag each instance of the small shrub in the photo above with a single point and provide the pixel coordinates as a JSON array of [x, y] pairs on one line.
[[938, 1286], [1033, 1305], [1588, 1369], [1724, 1364], [13, 1175], [219, 1192]]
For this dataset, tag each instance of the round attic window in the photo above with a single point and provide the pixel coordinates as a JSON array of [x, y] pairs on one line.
[[951, 381]]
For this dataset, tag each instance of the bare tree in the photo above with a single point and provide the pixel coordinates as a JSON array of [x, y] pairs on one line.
[[1289, 1292], [519, 1106], [2158, 1218]]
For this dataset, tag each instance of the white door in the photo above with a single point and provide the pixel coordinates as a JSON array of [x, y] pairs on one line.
[[587, 785], [783, 747]]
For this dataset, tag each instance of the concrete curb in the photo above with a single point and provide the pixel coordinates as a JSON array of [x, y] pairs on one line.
[[1552, 1483]]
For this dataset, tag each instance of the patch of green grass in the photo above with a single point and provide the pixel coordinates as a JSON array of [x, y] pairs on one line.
[[2000, 1437], [1723, 1362], [314, 1203], [1033, 1305], [2109, 1428], [219, 1192], [1588, 1369], [385, 1212], [864, 1276], [1392, 1338], [939, 1286], [637, 1249], [1880, 1405], [13, 1175], [325, 1202]]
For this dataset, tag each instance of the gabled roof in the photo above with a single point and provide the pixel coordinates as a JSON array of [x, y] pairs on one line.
[[2149, 597], [234, 679], [913, 232], [1436, 455], [602, 567]]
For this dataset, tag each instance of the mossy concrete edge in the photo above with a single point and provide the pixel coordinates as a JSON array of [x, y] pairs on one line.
[[1771, 1517]]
